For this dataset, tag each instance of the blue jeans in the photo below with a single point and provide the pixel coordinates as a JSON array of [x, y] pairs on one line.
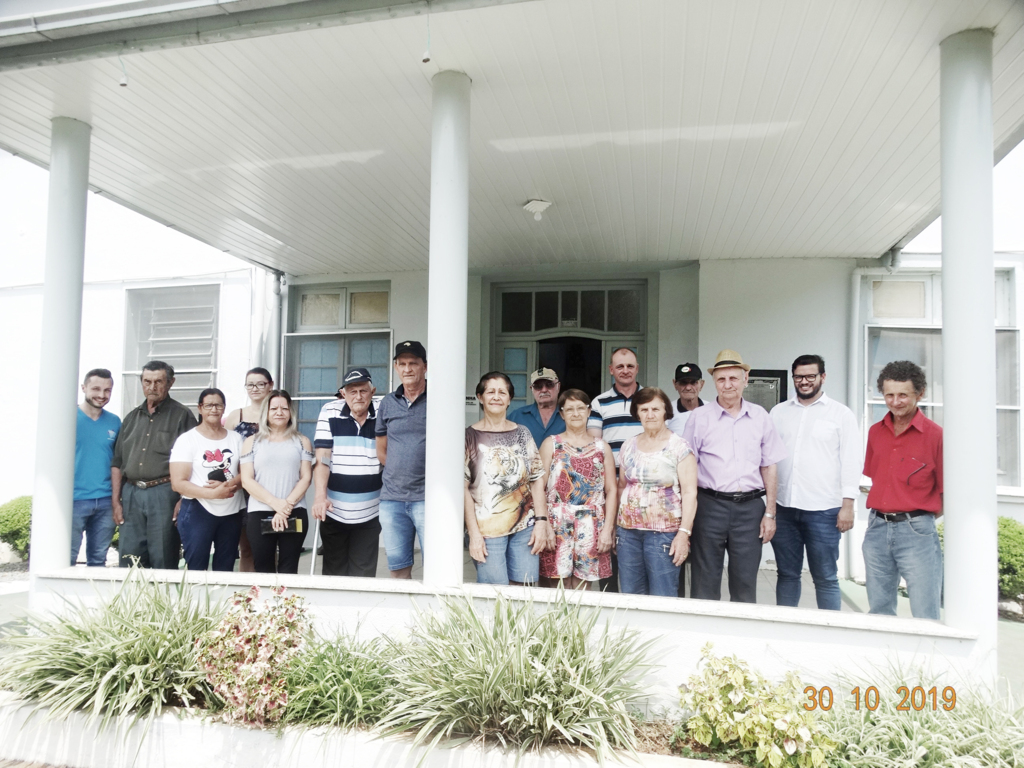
[[94, 518], [910, 549], [200, 531], [815, 530], [401, 522], [645, 566], [509, 559]]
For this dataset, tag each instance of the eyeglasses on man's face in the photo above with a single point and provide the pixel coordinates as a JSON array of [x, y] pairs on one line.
[[808, 377], [257, 385], [543, 384]]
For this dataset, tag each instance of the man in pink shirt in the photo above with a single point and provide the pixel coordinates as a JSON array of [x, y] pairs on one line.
[[737, 448]]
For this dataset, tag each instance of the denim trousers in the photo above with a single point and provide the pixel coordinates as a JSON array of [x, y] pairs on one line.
[[401, 522], [95, 519], [509, 559], [815, 531], [645, 565], [200, 532], [908, 549], [148, 531]]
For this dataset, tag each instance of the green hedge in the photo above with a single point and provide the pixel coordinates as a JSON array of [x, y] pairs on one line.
[[16, 523]]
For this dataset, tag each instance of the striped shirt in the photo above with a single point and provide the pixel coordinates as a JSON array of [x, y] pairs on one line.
[[609, 412], [355, 482]]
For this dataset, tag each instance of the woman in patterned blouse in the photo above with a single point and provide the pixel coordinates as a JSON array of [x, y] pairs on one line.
[[506, 516], [581, 499], [657, 501]]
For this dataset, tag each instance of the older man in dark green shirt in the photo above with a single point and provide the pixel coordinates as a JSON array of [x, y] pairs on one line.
[[144, 504]]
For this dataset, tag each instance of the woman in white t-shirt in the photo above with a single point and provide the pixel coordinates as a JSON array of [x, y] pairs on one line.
[[204, 470]]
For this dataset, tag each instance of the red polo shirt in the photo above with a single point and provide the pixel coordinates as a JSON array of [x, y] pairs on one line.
[[905, 469]]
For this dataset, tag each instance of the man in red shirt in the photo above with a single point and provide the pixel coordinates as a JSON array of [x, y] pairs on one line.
[[904, 462]]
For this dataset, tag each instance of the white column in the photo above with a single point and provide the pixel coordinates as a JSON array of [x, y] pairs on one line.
[[968, 339], [59, 347], [446, 329]]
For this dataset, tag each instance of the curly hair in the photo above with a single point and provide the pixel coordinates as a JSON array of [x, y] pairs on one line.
[[648, 395], [903, 370]]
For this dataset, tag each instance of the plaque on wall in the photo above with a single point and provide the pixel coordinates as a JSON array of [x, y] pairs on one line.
[[766, 387]]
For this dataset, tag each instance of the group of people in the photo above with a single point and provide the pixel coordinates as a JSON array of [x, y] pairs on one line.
[[614, 493]]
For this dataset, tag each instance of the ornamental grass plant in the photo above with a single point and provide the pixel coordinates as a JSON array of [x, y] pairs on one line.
[[522, 676], [342, 683], [128, 657], [980, 731]]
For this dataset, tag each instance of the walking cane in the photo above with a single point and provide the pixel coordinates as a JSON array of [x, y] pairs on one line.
[[316, 535]]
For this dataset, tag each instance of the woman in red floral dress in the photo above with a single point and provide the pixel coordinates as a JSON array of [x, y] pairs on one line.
[[581, 496]]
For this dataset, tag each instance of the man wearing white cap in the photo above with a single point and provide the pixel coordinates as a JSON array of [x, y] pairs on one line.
[[542, 417], [737, 448]]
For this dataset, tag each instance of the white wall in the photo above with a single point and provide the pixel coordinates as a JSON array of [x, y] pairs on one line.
[[678, 322], [772, 310]]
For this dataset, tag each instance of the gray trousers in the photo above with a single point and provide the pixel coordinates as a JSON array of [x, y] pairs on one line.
[[722, 526], [148, 531]]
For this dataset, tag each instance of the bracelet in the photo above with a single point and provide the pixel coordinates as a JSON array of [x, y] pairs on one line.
[[538, 517], [687, 531]]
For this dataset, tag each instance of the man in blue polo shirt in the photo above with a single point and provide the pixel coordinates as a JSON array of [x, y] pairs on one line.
[[542, 417], [402, 450], [95, 435]]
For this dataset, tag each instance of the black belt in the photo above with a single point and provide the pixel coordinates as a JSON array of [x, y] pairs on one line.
[[145, 484], [736, 497], [900, 517]]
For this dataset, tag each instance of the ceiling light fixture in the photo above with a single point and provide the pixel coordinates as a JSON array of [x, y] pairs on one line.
[[124, 73], [426, 53], [537, 207]]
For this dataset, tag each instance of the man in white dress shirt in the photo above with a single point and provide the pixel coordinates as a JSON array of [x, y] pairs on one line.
[[818, 482]]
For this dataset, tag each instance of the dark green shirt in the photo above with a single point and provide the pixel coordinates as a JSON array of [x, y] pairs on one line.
[[143, 447]]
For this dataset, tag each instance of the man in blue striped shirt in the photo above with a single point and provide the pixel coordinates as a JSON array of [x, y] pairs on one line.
[[347, 479]]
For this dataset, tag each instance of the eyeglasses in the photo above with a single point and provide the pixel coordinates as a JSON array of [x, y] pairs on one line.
[[808, 377], [543, 384], [261, 385], [575, 411], [211, 407]]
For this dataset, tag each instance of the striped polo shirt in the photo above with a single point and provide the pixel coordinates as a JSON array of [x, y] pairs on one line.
[[609, 412], [354, 486]]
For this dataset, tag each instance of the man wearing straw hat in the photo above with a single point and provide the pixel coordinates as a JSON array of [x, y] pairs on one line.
[[737, 448]]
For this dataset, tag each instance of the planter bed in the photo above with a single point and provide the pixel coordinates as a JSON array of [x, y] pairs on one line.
[[182, 740]]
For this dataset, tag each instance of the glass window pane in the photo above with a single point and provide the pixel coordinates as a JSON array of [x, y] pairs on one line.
[[308, 413], [570, 302], [369, 307], [624, 311], [365, 351], [320, 309], [379, 375], [921, 346], [897, 298], [1007, 385], [518, 383], [516, 312], [592, 315], [1007, 447], [545, 310], [515, 359]]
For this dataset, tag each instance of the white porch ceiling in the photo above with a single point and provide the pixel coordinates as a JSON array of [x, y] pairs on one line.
[[661, 130]]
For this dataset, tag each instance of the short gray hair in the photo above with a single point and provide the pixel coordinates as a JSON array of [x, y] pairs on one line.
[[160, 365]]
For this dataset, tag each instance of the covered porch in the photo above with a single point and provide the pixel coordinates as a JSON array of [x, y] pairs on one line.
[[739, 163]]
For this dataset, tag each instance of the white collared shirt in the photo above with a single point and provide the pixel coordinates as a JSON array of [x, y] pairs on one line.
[[824, 453]]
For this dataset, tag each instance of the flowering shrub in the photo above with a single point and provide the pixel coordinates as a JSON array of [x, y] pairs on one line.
[[246, 657], [733, 706]]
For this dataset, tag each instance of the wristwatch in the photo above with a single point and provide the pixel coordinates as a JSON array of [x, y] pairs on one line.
[[770, 517]]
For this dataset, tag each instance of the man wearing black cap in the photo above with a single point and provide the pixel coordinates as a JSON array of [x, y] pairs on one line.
[[402, 450], [688, 382], [347, 479]]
